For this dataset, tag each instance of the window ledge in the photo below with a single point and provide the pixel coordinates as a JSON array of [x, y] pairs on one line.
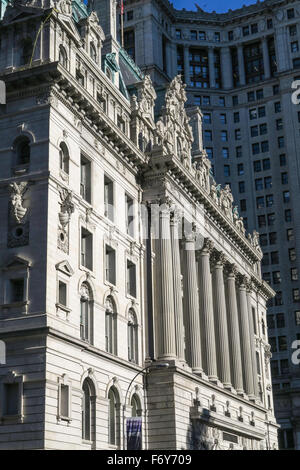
[[11, 418], [20, 169], [63, 307], [87, 442], [64, 418], [14, 304]]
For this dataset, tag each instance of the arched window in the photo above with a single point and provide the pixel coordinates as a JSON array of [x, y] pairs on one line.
[[23, 151], [64, 158], [27, 50], [113, 417], [110, 326], [132, 337], [135, 406], [93, 52], [63, 56], [88, 410], [86, 310]]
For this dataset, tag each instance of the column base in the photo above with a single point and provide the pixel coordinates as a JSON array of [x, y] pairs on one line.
[[240, 392], [228, 387], [252, 398], [214, 379]]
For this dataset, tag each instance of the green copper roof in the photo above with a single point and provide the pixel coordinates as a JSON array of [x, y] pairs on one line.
[[80, 10]]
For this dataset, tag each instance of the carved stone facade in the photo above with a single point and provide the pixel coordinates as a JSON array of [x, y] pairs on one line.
[[136, 255]]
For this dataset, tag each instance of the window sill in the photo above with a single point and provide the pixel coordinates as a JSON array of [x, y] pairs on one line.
[[63, 307], [90, 443], [64, 176], [14, 305], [87, 270], [11, 419], [20, 169], [64, 418]]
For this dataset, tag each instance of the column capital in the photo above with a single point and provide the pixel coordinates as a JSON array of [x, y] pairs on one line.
[[242, 281], [218, 259], [231, 270], [207, 247], [175, 216]]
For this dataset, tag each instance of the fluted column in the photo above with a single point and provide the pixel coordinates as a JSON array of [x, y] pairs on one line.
[[191, 304], [178, 309], [167, 346], [241, 63], [226, 68], [233, 330], [252, 337], [211, 65], [222, 343], [245, 336], [206, 310], [186, 65], [266, 58]]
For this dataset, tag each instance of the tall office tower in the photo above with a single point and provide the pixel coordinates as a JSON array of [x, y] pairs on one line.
[[239, 68], [131, 298]]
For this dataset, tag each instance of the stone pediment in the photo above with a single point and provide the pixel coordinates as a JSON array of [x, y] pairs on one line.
[[16, 262], [65, 267]]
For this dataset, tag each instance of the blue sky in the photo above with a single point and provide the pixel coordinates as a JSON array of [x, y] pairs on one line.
[[210, 5]]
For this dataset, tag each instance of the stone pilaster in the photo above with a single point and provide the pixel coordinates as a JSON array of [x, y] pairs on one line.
[[222, 343], [178, 308], [240, 53], [245, 336], [167, 336], [211, 65], [233, 330], [206, 310], [266, 59], [252, 338], [186, 65], [191, 304], [226, 68]]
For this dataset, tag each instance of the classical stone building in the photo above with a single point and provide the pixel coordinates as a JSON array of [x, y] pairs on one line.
[[239, 67], [118, 252]]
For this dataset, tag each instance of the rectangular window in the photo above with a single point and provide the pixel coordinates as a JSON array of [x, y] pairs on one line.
[[202, 36], [276, 277], [11, 399], [108, 198], [208, 135], [241, 186], [129, 215], [296, 295], [271, 220], [294, 46], [257, 166], [265, 146], [290, 13], [193, 35], [292, 254], [238, 152], [225, 152], [286, 196], [255, 148], [293, 30], [280, 142], [243, 205], [240, 169], [254, 131], [263, 129], [282, 343], [290, 234], [260, 202], [266, 164], [86, 249], [263, 239], [252, 114], [223, 118], [280, 320], [85, 179], [284, 178], [268, 182], [224, 136], [278, 299], [64, 401], [269, 200], [210, 153], [110, 265], [254, 28], [235, 100], [259, 184], [282, 159], [288, 215], [221, 101], [297, 317], [261, 111], [274, 257], [16, 290], [294, 274], [62, 293], [131, 278], [277, 107], [273, 238], [227, 170], [261, 220], [237, 134], [236, 117], [207, 118]]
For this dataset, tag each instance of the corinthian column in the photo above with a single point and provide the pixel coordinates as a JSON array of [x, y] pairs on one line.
[[167, 346], [222, 343], [245, 336], [206, 310], [177, 288], [191, 303], [233, 330], [252, 337]]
